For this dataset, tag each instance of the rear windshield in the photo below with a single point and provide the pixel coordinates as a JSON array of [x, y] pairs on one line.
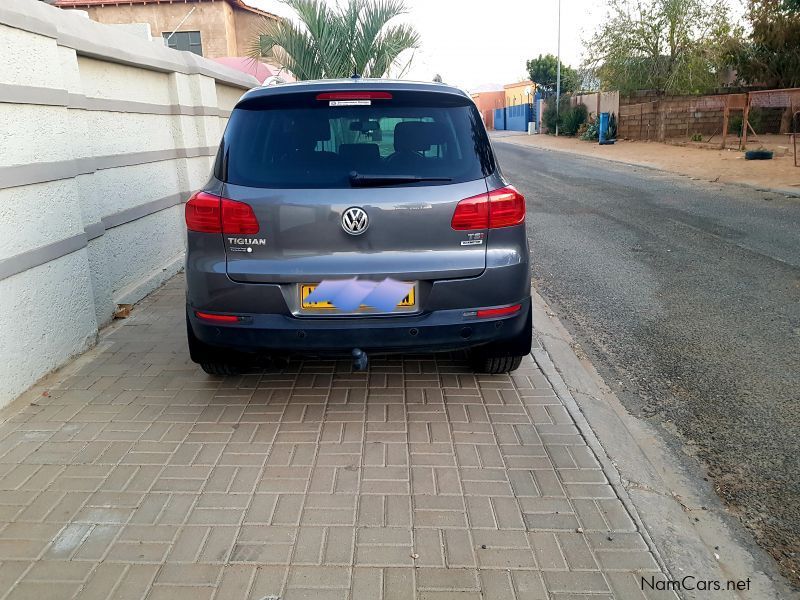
[[298, 141]]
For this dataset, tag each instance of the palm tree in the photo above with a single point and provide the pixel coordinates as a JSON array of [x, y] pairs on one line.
[[337, 41]]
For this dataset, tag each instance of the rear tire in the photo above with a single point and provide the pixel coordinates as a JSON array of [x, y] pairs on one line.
[[506, 356], [220, 369], [209, 358], [496, 365]]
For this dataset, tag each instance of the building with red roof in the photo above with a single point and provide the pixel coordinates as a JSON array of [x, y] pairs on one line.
[[210, 28], [487, 101]]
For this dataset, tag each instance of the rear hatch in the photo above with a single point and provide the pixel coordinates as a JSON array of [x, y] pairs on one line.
[[402, 160]]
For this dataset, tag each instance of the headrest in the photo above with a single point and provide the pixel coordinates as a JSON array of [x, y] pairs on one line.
[[359, 152], [417, 136], [308, 132]]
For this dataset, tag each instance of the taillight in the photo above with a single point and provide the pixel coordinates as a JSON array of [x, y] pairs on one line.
[[471, 213], [208, 213], [506, 207], [498, 208], [238, 217], [359, 95], [203, 213]]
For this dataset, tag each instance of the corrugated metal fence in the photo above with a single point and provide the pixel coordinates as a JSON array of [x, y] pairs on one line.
[[516, 118]]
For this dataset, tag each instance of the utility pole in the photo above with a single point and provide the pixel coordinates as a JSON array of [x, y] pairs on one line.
[[558, 67]]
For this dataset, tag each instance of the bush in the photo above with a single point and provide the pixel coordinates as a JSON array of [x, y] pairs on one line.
[[735, 125], [573, 119], [549, 113], [569, 119], [590, 131]]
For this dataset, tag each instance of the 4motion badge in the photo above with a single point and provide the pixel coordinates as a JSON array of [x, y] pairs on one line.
[[473, 239]]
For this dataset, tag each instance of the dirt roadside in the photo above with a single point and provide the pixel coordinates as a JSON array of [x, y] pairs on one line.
[[724, 166]]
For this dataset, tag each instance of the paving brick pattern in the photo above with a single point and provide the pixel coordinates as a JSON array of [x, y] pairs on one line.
[[131, 475]]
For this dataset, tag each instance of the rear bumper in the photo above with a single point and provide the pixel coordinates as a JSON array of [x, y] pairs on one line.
[[434, 331]]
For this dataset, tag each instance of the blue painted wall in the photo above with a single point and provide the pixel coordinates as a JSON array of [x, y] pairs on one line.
[[515, 118], [500, 119]]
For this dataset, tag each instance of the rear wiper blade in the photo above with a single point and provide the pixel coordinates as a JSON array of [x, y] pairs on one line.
[[363, 180]]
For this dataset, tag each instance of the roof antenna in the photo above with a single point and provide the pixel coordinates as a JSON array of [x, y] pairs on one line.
[[355, 75]]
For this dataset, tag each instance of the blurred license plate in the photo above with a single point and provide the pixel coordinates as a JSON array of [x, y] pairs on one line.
[[306, 289]]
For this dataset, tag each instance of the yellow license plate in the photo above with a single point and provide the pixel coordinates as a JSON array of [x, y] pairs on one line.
[[306, 289]]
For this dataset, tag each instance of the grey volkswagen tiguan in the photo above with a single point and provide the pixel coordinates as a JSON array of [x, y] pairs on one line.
[[355, 182]]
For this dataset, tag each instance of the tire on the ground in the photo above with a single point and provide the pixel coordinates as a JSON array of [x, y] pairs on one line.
[[221, 369], [496, 365], [758, 155], [209, 358], [506, 356]]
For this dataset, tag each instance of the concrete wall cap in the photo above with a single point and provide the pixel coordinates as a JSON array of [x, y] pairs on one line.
[[89, 38]]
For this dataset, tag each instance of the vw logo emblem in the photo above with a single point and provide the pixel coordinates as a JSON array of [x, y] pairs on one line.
[[355, 221]]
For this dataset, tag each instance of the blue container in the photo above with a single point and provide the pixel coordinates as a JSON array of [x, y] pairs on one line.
[[603, 133], [603, 126]]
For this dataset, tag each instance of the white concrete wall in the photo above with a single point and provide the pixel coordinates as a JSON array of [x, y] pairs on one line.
[[103, 136]]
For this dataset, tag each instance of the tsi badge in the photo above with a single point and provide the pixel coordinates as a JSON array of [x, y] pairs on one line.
[[473, 239], [244, 244]]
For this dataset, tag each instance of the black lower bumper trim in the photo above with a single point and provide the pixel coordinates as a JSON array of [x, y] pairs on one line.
[[436, 331]]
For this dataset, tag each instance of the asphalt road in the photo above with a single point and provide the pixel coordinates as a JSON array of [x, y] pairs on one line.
[[686, 296]]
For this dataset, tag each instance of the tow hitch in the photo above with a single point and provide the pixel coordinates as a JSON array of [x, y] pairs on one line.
[[360, 360]]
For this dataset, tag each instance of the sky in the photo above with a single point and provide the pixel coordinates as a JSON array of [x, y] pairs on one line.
[[478, 45]]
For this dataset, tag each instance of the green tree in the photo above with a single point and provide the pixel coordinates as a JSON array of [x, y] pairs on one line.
[[543, 72], [329, 41], [770, 55], [675, 46]]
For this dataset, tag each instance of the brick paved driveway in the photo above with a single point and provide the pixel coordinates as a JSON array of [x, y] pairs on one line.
[[134, 475]]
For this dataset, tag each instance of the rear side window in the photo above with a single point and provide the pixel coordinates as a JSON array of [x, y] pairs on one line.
[[299, 141]]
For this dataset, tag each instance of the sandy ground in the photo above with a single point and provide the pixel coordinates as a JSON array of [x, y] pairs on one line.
[[726, 166]]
